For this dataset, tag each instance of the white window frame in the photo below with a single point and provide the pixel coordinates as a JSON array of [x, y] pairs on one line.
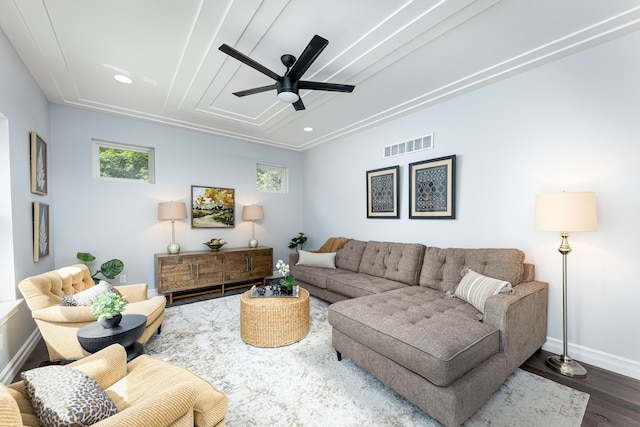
[[284, 175], [97, 144]]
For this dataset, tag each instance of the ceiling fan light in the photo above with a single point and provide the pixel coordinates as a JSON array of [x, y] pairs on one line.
[[288, 97]]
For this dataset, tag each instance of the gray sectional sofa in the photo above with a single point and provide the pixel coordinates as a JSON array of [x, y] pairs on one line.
[[396, 315]]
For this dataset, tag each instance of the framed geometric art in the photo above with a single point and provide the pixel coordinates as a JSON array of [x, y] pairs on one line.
[[39, 165], [212, 207], [382, 193], [432, 189], [41, 238]]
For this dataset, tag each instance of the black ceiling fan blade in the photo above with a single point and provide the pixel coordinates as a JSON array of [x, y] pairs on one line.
[[333, 87], [298, 105], [255, 90], [246, 60], [308, 55]]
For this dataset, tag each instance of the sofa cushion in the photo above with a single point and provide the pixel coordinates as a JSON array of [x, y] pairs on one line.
[[312, 259], [316, 276], [350, 255], [395, 261], [442, 267], [63, 396], [419, 328], [475, 288], [354, 285]]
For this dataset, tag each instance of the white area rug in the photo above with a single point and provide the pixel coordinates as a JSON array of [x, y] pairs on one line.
[[304, 384]]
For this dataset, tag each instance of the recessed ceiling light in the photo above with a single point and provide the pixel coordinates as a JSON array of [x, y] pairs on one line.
[[308, 129], [123, 79]]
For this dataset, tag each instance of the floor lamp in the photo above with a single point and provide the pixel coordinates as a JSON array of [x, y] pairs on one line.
[[565, 212], [252, 213], [172, 211]]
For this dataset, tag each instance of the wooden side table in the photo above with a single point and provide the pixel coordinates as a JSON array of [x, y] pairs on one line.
[[274, 322], [93, 337]]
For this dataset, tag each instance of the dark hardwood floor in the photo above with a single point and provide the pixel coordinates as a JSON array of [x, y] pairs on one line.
[[614, 399]]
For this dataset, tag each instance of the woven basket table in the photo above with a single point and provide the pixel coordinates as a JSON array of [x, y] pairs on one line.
[[274, 322]]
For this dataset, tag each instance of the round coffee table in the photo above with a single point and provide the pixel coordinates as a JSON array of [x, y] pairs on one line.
[[93, 337], [273, 321]]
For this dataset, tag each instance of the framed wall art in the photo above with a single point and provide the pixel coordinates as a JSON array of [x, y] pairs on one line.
[[41, 238], [432, 189], [212, 207], [39, 165], [382, 193]]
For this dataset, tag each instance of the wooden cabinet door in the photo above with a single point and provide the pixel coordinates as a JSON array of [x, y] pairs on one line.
[[261, 263], [209, 269], [236, 267], [175, 274]]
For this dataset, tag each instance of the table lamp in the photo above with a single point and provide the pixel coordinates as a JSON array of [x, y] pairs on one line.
[[252, 213], [565, 212], [172, 211]]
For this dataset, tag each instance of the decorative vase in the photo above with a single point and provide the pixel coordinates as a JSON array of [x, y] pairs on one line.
[[110, 323]]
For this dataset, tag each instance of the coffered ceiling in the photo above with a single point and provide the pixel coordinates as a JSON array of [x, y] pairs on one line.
[[400, 55]]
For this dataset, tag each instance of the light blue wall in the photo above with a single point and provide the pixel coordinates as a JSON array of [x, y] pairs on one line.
[[23, 108], [118, 219], [570, 125]]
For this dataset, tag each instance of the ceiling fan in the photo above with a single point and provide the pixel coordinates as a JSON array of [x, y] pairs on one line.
[[288, 84]]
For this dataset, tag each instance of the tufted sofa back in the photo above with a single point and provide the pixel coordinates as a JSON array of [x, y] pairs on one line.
[[349, 256], [47, 289], [394, 261], [442, 267]]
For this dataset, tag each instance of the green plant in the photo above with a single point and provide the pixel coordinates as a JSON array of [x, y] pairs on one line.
[[108, 305], [287, 279], [109, 269], [298, 240]]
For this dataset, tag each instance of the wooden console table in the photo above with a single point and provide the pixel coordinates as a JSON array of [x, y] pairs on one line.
[[207, 271]]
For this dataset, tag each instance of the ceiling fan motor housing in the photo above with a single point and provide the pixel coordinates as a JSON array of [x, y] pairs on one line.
[[287, 89]]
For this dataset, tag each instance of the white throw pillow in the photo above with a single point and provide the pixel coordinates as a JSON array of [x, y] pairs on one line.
[[317, 259], [475, 288]]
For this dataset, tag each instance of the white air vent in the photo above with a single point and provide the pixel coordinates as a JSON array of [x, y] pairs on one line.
[[418, 144]]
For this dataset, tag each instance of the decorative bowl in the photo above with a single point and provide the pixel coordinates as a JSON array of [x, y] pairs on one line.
[[215, 244]]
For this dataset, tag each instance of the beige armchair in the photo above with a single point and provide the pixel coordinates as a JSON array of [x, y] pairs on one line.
[[148, 392], [59, 323]]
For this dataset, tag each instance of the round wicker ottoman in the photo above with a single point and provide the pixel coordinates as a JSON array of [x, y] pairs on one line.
[[274, 322]]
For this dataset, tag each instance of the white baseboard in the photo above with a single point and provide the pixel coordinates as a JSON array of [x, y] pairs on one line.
[[15, 364], [610, 362]]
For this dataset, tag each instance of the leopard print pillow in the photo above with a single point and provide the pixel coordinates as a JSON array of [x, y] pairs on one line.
[[89, 296], [63, 396]]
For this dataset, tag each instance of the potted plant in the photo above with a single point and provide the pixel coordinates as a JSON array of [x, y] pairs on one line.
[[298, 240], [287, 279], [109, 269], [107, 309]]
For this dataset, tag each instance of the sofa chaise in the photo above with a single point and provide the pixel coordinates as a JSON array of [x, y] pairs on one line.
[[442, 327]]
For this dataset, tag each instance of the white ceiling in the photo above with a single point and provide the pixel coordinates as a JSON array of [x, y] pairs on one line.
[[401, 55]]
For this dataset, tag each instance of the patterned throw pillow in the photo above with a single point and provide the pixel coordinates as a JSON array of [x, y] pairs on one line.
[[63, 396], [89, 296], [475, 288]]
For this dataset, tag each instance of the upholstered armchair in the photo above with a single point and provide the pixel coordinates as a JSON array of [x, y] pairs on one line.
[[59, 323], [147, 392]]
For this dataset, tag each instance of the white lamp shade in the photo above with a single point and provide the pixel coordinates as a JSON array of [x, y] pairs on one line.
[[172, 210], [288, 97], [566, 212], [252, 213]]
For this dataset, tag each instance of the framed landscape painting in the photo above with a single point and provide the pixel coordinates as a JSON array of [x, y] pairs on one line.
[[41, 240], [432, 189], [382, 193], [39, 165], [212, 207]]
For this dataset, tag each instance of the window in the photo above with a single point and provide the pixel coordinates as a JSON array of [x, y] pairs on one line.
[[271, 179], [112, 160]]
